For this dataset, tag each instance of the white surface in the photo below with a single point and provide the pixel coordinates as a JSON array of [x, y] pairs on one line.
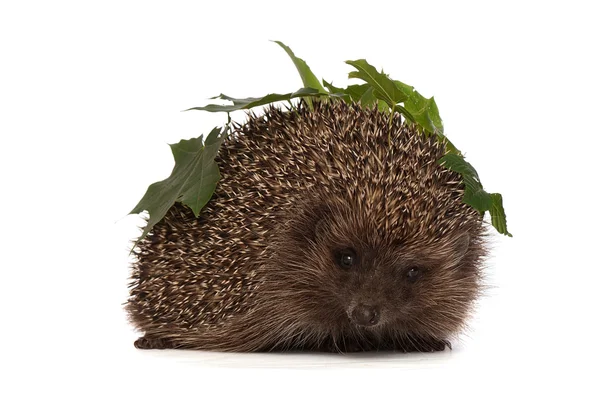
[[91, 93]]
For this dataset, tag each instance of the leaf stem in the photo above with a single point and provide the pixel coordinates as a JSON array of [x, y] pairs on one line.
[[392, 112]]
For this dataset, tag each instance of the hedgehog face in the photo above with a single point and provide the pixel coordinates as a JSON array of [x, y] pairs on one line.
[[394, 284], [383, 286], [348, 277]]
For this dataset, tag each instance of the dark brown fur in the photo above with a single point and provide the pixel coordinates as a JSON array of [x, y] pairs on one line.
[[257, 270]]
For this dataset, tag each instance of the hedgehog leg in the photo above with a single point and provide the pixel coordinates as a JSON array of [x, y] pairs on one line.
[[436, 345], [152, 343]]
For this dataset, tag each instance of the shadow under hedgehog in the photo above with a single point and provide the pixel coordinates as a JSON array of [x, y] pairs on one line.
[[331, 229]]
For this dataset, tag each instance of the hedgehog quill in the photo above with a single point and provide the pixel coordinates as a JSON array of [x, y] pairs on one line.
[[334, 226]]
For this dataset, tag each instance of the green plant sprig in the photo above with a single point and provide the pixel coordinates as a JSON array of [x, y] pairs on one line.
[[196, 173]]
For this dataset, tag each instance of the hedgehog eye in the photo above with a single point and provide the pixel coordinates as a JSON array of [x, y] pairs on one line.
[[346, 258], [413, 274]]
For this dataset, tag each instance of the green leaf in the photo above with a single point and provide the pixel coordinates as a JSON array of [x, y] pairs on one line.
[[368, 98], [192, 181], [384, 87], [332, 89], [450, 148], [356, 91], [383, 106], [498, 215], [425, 112], [475, 196], [308, 78], [339, 92], [247, 103], [363, 94], [405, 88]]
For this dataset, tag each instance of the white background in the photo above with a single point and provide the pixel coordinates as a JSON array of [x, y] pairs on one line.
[[91, 93]]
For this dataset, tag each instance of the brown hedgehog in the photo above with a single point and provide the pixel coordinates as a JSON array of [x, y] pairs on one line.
[[330, 229]]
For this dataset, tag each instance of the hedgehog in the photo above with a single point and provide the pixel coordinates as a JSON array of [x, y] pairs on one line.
[[333, 228]]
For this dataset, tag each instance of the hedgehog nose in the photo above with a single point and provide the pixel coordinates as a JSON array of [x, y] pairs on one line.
[[365, 315]]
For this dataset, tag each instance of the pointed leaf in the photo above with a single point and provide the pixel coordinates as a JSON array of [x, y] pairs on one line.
[[498, 215], [384, 88], [308, 78], [368, 98], [192, 181], [340, 92], [198, 189], [332, 89], [247, 103], [425, 112], [356, 91], [475, 196], [405, 88], [359, 93]]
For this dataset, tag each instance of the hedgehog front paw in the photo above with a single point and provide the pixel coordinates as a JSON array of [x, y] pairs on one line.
[[152, 343], [419, 344], [439, 345]]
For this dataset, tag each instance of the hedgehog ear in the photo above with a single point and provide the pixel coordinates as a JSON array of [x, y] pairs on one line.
[[320, 216], [462, 244], [455, 249], [320, 228]]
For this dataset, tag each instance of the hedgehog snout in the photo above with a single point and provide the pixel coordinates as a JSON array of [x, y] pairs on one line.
[[365, 315]]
